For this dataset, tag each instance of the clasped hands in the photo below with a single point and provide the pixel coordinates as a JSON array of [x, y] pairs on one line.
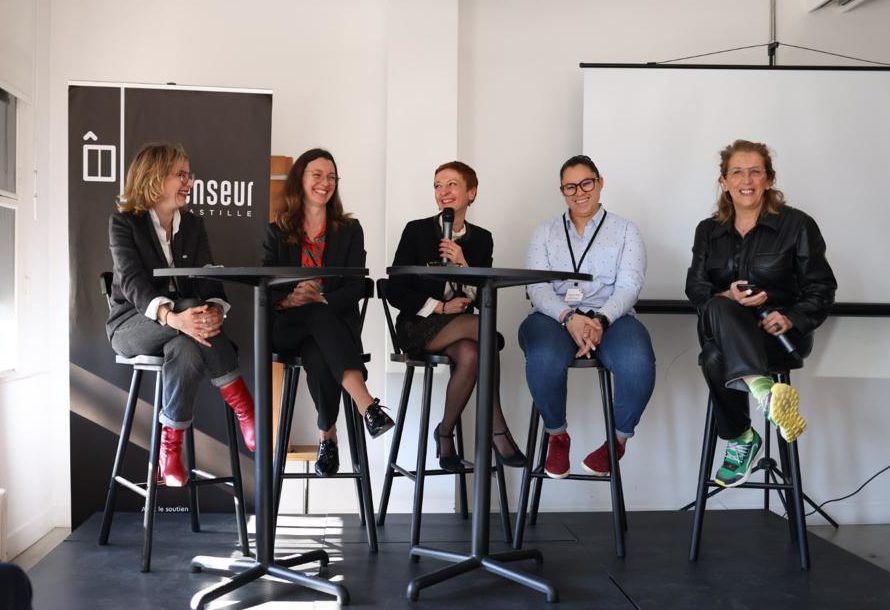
[[200, 323], [774, 323], [586, 332], [303, 293]]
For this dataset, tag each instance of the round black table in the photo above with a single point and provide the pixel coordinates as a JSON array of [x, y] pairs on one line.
[[488, 280], [247, 570]]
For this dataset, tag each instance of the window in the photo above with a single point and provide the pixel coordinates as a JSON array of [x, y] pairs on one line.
[[7, 142], [8, 205]]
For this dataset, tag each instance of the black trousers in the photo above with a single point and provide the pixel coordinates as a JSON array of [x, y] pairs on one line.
[[328, 345], [734, 346]]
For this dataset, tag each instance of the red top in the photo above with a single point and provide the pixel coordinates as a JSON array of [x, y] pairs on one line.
[[312, 252]]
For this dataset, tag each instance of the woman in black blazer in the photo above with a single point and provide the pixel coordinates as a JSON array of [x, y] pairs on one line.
[[181, 318], [436, 316], [319, 319]]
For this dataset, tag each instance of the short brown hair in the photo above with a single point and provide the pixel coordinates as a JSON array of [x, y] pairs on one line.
[[145, 177], [466, 172]]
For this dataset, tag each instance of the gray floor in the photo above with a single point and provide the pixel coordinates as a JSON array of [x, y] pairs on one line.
[[757, 569], [870, 542]]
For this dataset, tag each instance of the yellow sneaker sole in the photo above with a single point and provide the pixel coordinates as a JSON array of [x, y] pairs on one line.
[[784, 411]]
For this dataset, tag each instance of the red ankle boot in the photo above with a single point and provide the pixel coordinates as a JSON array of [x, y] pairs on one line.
[[172, 471], [238, 398]]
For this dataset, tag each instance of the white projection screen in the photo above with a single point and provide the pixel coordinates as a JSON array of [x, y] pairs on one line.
[[655, 133]]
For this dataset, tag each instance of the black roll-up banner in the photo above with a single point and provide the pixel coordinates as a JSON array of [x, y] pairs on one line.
[[227, 134]]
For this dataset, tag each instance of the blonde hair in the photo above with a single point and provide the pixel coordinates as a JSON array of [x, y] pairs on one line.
[[146, 175]]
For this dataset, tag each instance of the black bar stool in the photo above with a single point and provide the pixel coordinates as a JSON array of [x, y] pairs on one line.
[[148, 488], [355, 433], [785, 480], [428, 362], [536, 472]]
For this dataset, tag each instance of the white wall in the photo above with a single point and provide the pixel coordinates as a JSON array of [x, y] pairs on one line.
[[520, 118], [393, 89], [32, 423]]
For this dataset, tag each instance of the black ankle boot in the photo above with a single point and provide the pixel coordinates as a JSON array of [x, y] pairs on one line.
[[451, 463]]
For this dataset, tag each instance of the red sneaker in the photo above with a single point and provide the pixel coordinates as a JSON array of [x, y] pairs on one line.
[[557, 464], [598, 462]]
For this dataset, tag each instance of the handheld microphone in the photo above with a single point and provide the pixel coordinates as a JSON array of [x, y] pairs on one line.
[[785, 341], [447, 226]]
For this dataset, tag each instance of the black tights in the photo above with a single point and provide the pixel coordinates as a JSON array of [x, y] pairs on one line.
[[459, 340]]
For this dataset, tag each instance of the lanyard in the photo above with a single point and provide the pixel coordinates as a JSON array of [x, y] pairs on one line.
[[577, 266]]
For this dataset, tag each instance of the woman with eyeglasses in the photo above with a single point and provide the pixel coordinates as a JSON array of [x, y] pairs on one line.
[[181, 319], [319, 319], [437, 316], [571, 320], [759, 277]]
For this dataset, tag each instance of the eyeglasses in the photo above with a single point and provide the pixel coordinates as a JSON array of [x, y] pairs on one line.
[[319, 177], [185, 177], [737, 173], [585, 185]]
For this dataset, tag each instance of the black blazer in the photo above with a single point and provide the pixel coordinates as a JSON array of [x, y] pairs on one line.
[[419, 245], [784, 254], [343, 248], [136, 252]]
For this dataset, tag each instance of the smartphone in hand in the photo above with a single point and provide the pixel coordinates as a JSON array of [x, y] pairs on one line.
[[754, 288]]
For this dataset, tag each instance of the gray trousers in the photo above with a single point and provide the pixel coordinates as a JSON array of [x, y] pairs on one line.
[[186, 363]]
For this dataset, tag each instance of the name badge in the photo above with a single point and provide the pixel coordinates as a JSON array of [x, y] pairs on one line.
[[574, 296]]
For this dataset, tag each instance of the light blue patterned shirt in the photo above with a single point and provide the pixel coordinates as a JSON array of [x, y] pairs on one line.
[[616, 260]]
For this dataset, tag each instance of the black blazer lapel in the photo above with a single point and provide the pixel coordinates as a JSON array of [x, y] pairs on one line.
[[185, 242], [149, 228], [334, 255]]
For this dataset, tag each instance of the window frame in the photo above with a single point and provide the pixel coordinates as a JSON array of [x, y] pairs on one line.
[[11, 200]]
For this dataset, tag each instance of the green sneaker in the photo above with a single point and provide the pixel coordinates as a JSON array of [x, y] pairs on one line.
[[737, 462], [781, 406]]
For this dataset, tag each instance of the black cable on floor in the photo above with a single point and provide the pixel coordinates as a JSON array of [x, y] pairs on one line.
[[624, 593], [850, 495]]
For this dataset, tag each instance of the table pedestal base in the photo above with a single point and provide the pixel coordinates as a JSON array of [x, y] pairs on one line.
[[247, 570], [494, 563]]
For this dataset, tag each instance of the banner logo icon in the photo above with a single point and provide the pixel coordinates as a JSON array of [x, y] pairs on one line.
[[98, 160]]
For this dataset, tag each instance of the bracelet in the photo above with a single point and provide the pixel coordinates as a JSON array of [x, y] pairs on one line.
[[565, 320]]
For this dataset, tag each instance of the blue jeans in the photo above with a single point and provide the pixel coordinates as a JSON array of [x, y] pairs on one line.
[[186, 363], [626, 351]]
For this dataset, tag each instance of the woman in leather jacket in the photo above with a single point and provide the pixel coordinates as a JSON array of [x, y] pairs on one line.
[[758, 274]]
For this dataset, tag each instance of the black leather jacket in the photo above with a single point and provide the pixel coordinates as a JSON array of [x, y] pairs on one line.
[[784, 254]]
